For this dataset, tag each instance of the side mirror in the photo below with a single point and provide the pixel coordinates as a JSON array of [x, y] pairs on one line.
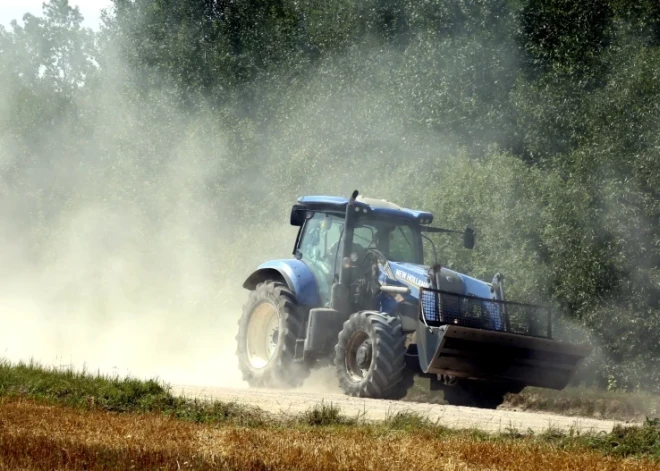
[[468, 238], [298, 215]]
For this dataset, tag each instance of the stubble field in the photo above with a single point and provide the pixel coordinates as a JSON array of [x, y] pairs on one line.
[[36, 436], [52, 420]]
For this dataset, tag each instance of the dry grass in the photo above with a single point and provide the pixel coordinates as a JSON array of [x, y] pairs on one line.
[[34, 436]]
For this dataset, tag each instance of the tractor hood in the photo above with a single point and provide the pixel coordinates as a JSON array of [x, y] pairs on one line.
[[416, 276]]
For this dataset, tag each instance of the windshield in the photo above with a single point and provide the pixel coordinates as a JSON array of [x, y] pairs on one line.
[[321, 245], [322, 236], [398, 242], [402, 245]]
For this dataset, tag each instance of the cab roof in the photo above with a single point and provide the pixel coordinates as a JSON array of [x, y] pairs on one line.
[[374, 206]]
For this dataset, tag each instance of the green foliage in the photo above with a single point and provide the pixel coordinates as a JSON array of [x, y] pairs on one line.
[[84, 390], [565, 37], [535, 121], [623, 441], [80, 388]]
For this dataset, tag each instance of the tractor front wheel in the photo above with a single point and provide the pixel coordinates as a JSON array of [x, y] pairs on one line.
[[267, 333], [370, 356]]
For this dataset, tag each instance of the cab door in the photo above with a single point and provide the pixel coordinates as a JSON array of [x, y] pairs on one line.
[[318, 248]]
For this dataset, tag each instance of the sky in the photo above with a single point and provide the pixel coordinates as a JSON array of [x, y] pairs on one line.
[[15, 9]]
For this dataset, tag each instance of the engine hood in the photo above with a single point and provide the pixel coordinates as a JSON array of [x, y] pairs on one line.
[[416, 276]]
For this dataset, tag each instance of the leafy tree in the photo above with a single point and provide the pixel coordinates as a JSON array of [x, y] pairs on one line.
[[533, 120]]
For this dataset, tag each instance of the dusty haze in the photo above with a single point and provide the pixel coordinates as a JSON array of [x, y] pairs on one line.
[[120, 251], [130, 219], [113, 256], [125, 275]]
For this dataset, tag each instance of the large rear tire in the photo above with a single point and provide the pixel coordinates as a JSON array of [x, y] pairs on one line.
[[266, 340], [370, 356]]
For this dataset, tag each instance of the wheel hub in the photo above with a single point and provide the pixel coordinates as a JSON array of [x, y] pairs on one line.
[[262, 335], [363, 356], [358, 356]]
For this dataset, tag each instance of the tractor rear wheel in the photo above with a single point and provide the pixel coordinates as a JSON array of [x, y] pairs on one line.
[[267, 333], [370, 356]]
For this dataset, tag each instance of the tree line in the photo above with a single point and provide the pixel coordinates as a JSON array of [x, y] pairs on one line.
[[534, 121]]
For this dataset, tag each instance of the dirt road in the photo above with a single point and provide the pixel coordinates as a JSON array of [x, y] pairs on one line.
[[293, 402]]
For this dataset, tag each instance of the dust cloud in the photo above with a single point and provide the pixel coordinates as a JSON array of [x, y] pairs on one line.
[[123, 285], [124, 240], [122, 245], [114, 254]]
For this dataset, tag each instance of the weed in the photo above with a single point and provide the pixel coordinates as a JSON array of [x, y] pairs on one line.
[[324, 414], [408, 421]]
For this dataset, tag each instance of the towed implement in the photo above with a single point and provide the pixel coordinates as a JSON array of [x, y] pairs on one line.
[[359, 295]]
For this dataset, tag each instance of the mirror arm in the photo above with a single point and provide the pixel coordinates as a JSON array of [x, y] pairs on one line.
[[435, 253], [435, 230]]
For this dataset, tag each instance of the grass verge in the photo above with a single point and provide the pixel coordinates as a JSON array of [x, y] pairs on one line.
[[65, 420], [96, 391]]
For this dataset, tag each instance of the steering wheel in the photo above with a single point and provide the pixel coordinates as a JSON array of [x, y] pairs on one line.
[[377, 253]]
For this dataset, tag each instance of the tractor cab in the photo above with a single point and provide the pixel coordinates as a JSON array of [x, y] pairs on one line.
[[320, 242]]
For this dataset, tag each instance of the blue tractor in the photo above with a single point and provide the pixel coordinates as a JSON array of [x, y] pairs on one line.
[[358, 294]]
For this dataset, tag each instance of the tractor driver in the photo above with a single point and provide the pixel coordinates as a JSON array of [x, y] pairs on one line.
[[365, 237]]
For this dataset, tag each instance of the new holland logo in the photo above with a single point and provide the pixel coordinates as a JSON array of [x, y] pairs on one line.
[[402, 275]]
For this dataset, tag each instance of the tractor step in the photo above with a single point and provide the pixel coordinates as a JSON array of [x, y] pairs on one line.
[[299, 353]]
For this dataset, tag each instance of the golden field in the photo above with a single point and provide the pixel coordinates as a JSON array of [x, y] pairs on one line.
[[42, 436]]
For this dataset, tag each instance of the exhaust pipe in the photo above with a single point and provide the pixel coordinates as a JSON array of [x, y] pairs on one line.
[[340, 299]]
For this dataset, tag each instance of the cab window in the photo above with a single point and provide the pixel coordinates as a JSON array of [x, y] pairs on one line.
[[364, 236], [320, 237], [402, 245], [318, 247]]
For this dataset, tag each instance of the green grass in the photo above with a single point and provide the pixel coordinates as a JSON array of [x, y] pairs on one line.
[[410, 421], [122, 395], [81, 388], [623, 441], [114, 394], [324, 415]]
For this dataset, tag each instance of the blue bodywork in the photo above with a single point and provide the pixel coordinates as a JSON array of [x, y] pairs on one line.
[[302, 282], [415, 277], [337, 203], [295, 273], [465, 332]]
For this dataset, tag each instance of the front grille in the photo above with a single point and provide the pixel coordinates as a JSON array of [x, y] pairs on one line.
[[442, 308]]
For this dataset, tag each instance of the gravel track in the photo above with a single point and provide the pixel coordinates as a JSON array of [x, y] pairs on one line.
[[295, 402]]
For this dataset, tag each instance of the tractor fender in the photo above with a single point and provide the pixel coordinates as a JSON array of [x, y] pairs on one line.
[[297, 276]]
